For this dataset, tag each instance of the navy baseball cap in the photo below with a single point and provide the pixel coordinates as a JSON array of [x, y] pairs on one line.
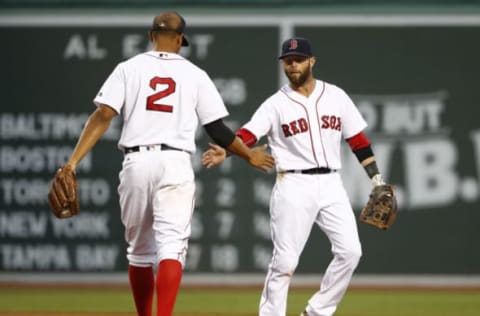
[[296, 46], [171, 22]]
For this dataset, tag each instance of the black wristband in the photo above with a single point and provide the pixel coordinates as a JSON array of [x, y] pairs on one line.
[[363, 153]]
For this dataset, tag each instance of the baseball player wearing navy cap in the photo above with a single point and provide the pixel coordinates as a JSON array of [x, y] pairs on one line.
[[305, 122], [297, 46], [162, 98]]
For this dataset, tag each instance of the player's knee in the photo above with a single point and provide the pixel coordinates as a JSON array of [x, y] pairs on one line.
[[355, 251], [141, 260], [354, 257], [141, 253], [285, 265], [350, 256], [174, 251]]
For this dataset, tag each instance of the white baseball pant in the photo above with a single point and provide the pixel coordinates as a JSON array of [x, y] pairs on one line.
[[157, 200], [299, 201]]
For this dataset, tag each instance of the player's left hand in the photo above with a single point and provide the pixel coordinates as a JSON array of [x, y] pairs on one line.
[[214, 156]]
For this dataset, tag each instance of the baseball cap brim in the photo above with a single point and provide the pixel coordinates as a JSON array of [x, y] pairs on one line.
[[293, 53]]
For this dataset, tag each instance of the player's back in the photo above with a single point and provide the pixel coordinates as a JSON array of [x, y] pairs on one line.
[[161, 95]]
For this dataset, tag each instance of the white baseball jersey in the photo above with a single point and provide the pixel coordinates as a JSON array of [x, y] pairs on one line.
[[303, 132], [158, 94]]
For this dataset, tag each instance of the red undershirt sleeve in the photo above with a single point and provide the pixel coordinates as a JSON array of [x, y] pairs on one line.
[[358, 141], [247, 137], [360, 145]]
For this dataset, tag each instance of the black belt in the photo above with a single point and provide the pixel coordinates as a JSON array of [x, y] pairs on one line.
[[321, 170], [151, 147]]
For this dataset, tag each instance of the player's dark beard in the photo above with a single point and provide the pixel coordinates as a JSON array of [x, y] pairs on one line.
[[300, 80]]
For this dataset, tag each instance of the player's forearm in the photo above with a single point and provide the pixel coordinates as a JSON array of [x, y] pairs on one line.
[[370, 166], [95, 127], [361, 147], [238, 148], [220, 133], [224, 137]]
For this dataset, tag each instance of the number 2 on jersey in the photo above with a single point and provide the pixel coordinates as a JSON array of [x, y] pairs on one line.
[[151, 105]]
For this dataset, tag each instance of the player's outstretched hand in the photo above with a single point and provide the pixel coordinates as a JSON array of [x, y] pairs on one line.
[[260, 159], [214, 156]]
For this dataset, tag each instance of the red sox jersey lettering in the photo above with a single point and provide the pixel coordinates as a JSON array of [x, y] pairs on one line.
[[301, 125], [332, 121], [305, 132], [295, 127]]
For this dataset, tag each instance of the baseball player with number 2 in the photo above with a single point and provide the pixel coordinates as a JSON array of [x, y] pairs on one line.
[[161, 97], [305, 122]]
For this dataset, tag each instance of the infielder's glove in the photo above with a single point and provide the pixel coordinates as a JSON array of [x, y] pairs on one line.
[[381, 208], [63, 195]]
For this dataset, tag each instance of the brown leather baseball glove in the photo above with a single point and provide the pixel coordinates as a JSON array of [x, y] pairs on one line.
[[381, 208], [63, 196]]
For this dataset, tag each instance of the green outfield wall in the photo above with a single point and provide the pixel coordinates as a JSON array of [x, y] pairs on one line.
[[414, 78]]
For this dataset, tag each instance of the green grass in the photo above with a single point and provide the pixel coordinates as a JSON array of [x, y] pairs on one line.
[[65, 300], [242, 302], [412, 303]]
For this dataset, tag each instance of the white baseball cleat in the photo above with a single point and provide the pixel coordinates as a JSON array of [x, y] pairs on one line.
[[304, 313]]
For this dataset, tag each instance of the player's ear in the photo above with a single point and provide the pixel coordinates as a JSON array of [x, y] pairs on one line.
[[313, 60], [150, 36], [179, 40]]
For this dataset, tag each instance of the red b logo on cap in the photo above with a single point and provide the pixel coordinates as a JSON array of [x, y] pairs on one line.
[[293, 44]]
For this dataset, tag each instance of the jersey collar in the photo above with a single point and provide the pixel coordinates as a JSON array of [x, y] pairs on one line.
[[318, 87], [164, 55]]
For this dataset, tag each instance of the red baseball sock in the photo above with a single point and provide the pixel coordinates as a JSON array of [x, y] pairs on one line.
[[141, 283], [169, 275]]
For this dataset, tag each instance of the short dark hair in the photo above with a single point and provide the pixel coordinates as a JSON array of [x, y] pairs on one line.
[[167, 22]]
